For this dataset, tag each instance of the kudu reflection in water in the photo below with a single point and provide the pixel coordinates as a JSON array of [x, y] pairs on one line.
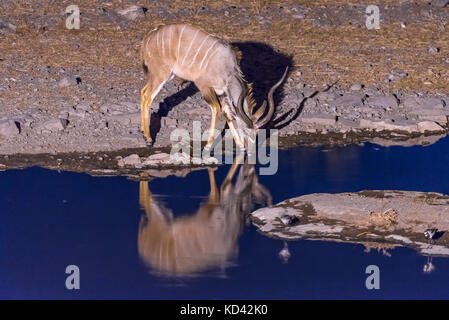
[[206, 240]]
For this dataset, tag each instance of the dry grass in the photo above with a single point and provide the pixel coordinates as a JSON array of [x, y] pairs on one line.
[[345, 54]]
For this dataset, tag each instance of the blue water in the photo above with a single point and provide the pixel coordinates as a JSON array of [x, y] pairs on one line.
[[49, 220]]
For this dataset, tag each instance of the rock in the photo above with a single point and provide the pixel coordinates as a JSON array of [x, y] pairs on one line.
[[52, 125], [157, 159], [135, 138], [210, 161], [180, 158], [24, 120], [159, 156], [132, 12], [131, 160], [442, 120], [67, 82], [406, 126], [388, 101], [7, 27], [356, 87], [64, 115], [440, 3], [327, 96], [427, 109], [125, 118], [423, 103], [433, 50], [384, 218], [395, 75], [168, 122], [429, 126], [349, 100], [8, 128], [320, 120], [77, 112]]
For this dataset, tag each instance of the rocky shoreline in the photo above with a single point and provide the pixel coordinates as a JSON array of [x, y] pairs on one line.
[[305, 116]]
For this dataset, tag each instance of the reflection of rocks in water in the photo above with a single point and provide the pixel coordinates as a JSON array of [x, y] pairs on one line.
[[206, 240], [429, 267], [377, 219], [285, 254], [408, 142]]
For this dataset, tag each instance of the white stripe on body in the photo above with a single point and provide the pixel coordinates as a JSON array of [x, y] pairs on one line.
[[197, 51], [210, 57], [157, 40], [147, 48], [179, 42], [190, 46], [207, 52], [169, 39], [162, 38]]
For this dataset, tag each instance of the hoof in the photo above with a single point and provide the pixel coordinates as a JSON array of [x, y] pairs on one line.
[[149, 143]]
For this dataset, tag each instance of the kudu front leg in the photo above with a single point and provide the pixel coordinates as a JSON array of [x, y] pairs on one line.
[[238, 141], [145, 105], [214, 196], [148, 93], [228, 180], [235, 134]]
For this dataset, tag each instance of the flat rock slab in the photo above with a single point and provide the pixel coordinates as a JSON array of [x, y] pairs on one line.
[[375, 218]]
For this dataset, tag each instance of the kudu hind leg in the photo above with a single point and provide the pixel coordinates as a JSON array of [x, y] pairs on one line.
[[145, 196]]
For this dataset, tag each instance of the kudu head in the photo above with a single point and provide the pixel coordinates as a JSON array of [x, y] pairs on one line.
[[249, 118]]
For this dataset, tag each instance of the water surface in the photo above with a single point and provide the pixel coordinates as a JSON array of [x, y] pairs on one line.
[[49, 220]]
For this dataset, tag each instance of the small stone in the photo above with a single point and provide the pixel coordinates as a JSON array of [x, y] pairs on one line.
[[356, 87], [210, 161], [52, 125], [440, 3], [179, 158], [6, 26], [388, 101], [159, 156], [8, 128], [67, 82], [429, 126], [395, 75], [132, 12], [131, 160], [24, 120], [433, 50]]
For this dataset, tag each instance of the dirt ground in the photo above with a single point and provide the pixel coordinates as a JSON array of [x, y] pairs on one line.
[[325, 43], [326, 40]]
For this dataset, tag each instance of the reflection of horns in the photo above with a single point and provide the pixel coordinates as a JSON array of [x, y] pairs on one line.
[[257, 116]]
